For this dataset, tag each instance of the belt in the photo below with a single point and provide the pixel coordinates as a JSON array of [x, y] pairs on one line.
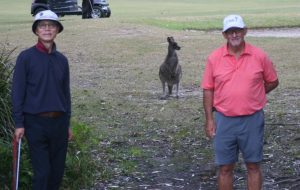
[[50, 114]]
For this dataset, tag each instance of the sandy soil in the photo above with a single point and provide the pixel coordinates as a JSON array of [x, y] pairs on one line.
[[275, 32]]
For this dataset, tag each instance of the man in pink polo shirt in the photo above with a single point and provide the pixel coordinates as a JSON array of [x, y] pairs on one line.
[[235, 82]]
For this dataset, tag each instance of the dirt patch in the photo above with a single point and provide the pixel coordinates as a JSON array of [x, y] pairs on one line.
[[275, 32], [272, 32]]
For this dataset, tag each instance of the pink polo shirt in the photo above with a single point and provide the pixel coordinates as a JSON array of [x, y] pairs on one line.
[[238, 85]]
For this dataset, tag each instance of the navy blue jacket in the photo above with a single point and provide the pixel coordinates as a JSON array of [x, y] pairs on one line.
[[41, 83]]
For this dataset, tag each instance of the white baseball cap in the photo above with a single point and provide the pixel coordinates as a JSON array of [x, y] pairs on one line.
[[231, 21], [46, 15]]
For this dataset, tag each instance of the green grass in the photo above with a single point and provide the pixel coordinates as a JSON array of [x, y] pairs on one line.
[[80, 166], [176, 14], [205, 15]]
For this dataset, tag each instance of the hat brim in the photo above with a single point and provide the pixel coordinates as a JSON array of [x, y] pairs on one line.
[[242, 26], [224, 30], [60, 26]]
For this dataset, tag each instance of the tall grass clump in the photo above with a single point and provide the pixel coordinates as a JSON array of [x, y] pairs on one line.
[[6, 69], [6, 123], [7, 126]]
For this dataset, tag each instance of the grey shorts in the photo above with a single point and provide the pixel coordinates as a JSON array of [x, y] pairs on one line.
[[239, 134]]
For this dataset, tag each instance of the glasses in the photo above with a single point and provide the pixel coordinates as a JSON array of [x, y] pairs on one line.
[[47, 25], [237, 31]]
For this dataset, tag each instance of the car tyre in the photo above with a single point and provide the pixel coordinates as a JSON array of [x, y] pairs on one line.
[[108, 12], [98, 11]]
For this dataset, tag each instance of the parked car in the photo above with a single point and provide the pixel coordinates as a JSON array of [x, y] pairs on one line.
[[70, 7], [101, 8], [39, 5]]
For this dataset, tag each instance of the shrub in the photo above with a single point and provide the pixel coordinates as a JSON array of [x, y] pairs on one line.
[[6, 69], [6, 123]]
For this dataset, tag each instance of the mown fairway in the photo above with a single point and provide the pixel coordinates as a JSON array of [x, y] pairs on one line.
[[147, 143]]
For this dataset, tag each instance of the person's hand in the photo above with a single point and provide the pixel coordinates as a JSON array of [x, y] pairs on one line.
[[19, 133], [70, 134], [210, 129]]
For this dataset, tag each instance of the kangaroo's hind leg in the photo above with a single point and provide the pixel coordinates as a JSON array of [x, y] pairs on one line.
[[177, 90], [170, 88], [164, 96]]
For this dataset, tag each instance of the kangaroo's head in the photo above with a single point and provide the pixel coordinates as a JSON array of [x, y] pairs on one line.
[[173, 44]]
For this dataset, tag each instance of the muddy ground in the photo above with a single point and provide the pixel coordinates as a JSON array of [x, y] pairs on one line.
[[186, 166]]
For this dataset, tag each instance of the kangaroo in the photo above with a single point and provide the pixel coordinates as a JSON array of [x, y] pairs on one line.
[[170, 71]]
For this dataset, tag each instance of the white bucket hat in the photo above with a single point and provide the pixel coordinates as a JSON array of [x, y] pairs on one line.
[[231, 21], [46, 15]]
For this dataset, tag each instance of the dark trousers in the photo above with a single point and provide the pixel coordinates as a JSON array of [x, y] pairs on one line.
[[48, 140], [87, 8]]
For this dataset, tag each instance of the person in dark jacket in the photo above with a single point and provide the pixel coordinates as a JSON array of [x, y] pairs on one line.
[[87, 8], [42, 103]]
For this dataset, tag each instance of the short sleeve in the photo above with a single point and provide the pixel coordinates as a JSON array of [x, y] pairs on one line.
[[207, 78], [270, 74]]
